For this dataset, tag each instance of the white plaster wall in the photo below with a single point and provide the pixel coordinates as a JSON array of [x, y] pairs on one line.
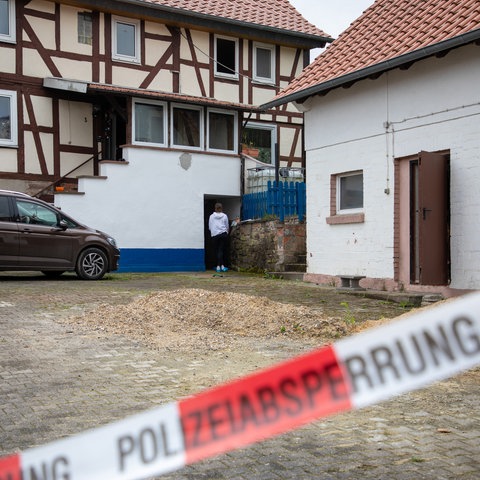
[[288, 57], [75, 123], [42, 106], [434, 105], [70, 161], [8, 60], [33, 64], [75, 69], [32, 162], [154, 51], [227, 92], [43, 5], [9, 160], [127, 77], [44, 30], [157, 200], [69, 34]]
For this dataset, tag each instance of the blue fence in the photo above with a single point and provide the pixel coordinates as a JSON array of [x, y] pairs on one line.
[[282, 199]]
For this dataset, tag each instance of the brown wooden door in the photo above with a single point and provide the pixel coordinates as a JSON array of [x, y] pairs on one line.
[[431, 226]]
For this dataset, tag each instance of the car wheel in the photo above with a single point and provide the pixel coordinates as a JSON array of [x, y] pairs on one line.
[[53, 273], [92, 264]]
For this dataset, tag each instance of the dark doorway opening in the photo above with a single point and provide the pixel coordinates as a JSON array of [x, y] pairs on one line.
[[231, 207]]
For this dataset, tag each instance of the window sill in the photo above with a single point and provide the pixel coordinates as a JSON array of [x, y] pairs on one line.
[[226, 76], [182, 149], [346, 218], [128, 60], [264, 81]]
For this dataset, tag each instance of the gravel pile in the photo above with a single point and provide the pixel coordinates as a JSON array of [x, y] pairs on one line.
[[189, 319]]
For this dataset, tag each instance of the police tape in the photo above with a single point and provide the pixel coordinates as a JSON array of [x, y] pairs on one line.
[[355, 372]]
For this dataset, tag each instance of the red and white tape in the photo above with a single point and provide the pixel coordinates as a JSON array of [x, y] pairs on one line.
[[360, 370]]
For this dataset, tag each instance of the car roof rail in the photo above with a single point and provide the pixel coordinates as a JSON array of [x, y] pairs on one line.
[[15, 192]]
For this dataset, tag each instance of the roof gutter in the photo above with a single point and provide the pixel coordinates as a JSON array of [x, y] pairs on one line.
[[374, 70], [188, 17]]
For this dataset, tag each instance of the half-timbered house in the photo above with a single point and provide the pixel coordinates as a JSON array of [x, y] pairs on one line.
[[136, 111]]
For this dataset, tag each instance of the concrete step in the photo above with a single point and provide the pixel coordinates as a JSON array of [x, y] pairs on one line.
[[429, 298]]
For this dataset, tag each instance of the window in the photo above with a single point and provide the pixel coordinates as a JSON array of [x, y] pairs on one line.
[[126, 40], [258, 141], [8, 118], [84, 26], [36, 214], [264, 63], [150, 122], [7, 21], [5, 215], [346, 198], [222, 130], [350, 192], [226, 57], [187, 126]]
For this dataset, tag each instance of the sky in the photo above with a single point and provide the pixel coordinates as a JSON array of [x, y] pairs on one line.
[[332, 16]]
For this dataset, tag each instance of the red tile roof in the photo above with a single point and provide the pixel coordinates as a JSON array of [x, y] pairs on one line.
[[276, 14], [388, 33]]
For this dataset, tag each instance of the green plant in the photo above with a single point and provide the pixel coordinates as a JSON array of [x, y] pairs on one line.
[[283, 330], [298, 328], [271, 276], [348, 315]]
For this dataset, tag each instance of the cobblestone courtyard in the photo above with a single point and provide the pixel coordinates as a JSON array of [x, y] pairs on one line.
[[58, 380]]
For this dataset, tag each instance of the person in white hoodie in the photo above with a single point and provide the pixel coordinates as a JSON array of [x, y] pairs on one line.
[[218, 226]]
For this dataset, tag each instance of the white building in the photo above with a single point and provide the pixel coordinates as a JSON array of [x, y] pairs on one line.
[[392, 138]]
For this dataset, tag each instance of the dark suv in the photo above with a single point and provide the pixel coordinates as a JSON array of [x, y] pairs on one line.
[[35, 235]]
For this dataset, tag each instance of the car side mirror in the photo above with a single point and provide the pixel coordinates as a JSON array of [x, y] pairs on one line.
[[62, 224]]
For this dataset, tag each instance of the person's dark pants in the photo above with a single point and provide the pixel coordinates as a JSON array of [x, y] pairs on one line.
[[220, 246]]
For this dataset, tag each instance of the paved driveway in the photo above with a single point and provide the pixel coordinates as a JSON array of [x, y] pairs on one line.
[[55, 383]]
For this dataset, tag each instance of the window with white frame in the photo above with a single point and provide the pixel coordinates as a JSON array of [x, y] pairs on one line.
[[350, 192], [226, 57], [264, 63], [258, 141], [221, 130], [8, 118], [149, 122], [126, 40], [187, 126], [7, 21]]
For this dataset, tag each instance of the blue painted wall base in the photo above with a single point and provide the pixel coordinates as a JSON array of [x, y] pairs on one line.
[[161, 260]]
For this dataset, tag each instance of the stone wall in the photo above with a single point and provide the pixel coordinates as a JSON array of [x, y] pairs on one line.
[[268, 246]]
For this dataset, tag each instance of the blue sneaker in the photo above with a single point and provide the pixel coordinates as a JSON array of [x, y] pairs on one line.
[[224, 269], [219, 269]]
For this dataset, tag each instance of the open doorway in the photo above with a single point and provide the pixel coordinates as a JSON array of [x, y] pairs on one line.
[[231, 207], [110, 127]]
